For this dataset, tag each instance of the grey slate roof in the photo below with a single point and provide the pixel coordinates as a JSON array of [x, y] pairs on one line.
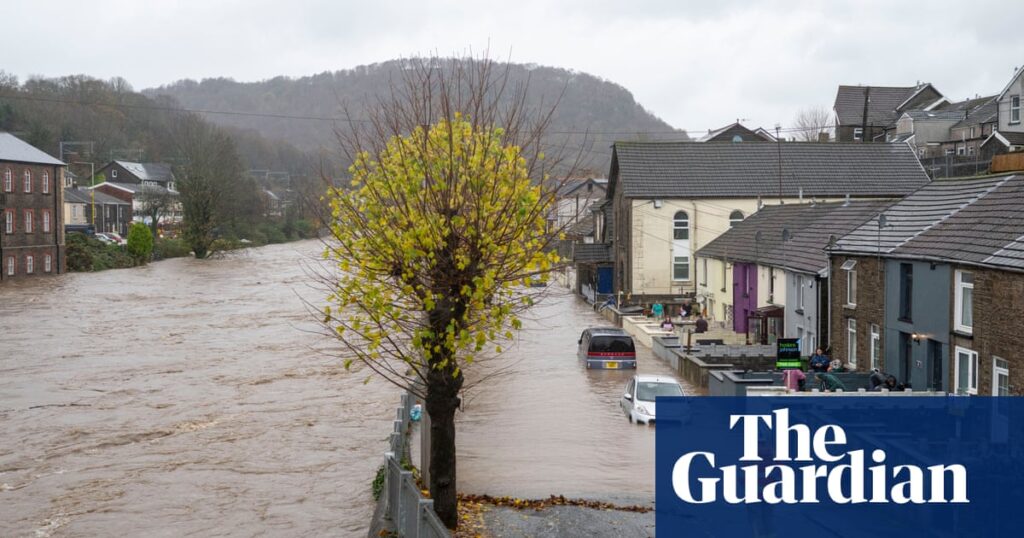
[[985, 112], [133, 187], [149, 171], [572, 185], [584, 227], [84, 196], [759, 238], [882, 108], [925, 115], [974, 220], [696, 170], [592, 253], [15, 149]]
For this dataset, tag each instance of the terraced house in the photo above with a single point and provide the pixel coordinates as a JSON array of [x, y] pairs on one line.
[[32, 234], [670, 199], [932, 289]]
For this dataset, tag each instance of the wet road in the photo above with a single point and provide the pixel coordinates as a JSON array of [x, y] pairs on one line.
[[190, 398]]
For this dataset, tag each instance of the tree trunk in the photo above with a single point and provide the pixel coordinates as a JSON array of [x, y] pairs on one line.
[[442, 402]]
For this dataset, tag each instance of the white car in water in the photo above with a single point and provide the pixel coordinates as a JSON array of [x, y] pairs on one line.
[[641, 391]]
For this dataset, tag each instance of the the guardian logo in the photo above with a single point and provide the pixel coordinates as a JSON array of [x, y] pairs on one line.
[[828, 473]]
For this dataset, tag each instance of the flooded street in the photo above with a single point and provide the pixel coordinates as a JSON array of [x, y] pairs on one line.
[[190, 398]]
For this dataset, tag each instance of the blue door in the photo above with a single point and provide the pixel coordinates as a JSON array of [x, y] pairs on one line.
[[604, 280]]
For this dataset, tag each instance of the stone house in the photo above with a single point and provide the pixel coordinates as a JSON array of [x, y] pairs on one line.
[[32, 225], [1009, 133], [670, 199], [767, 277], [869, 113], [932, 289], [156, 174], [112, 214]]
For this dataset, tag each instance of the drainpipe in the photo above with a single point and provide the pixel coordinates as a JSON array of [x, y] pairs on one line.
[[693, 247]]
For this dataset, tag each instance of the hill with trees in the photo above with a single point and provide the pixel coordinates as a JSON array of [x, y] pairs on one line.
[[307, 111]]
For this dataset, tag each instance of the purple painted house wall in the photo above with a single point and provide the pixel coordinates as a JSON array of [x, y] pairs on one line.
[[744, 294]]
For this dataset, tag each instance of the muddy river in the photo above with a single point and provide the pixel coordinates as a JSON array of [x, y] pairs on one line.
[[194, 398]]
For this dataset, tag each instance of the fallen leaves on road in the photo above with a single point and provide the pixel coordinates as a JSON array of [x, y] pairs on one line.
[[471, 520], [554, 500]]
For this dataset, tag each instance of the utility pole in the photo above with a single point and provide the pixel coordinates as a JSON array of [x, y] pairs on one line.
[[778, 144]]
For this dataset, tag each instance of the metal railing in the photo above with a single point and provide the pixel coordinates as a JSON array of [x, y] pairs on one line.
[[409, 511]]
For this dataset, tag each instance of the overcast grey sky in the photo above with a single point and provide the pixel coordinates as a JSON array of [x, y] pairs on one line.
[[697, 65]]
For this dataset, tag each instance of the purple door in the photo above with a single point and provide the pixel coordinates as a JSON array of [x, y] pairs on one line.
[[744, 294]]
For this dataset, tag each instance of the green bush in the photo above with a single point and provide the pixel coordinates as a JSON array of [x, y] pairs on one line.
[[87, 254], [273, 233], [140, 242], [77, 252], [171, 248]]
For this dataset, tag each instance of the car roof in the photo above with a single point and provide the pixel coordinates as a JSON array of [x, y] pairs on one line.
[[607, 330], [655, 379]]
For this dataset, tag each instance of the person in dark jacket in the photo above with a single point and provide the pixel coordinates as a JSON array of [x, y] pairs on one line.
[[702, 324], [829, 381], [877, 379], [819, 361]]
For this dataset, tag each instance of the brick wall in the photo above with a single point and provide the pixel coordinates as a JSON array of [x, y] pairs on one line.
[[38, 243], [998, 306], [869, 309]]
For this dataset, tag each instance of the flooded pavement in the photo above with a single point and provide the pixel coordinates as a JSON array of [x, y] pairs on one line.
[[193, 398], [549, 425]]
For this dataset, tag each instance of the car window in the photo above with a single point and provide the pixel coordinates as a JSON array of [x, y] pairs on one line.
[[629, 387], [612, 344], [648, 390]]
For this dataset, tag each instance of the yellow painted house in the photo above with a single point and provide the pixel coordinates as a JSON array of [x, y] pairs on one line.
[[670, 199]]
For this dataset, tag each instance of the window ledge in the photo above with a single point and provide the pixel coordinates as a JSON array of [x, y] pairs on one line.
[[963, 333], [799, 311], [905, 320], [849, 306]]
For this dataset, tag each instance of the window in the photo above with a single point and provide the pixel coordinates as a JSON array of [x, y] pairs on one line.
[[851, 288], [964, 302], [46, 221], [681, 268], [113, 173], [960, 150], [906, 290], [1000, 377], [972, 132], [735, 218], [681, 226], [966, 371], [46, 183], [851, 341], [10, 265], [799, 291], [28, 181], [876, 347], [1014, 109], [771, 284], [9, 221], [858, 133], [8, 182], [47, 263], [28, 221], [29, 264], [704, 272], [970, 151]]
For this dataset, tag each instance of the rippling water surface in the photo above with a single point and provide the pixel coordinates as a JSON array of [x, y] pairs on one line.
[[191, 398]]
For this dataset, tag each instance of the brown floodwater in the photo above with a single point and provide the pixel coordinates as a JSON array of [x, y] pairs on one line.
[[195, 398]]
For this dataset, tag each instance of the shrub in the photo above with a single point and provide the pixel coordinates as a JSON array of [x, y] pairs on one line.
[[171, 248], [77, 253], [140, 242]]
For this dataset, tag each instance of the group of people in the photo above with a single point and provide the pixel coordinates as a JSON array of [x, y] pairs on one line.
[[824, 369], [686, 311]]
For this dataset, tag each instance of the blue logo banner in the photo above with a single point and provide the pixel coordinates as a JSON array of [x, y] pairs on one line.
[[847, 466]]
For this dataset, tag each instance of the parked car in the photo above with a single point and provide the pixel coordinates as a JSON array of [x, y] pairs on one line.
[[607, 348], [117, 238], [104, 238], [641, 392]]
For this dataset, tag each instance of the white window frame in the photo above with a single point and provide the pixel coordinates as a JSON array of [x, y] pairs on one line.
[[9, 221], [961, 151], [799, 292], [26, 182], [970, 151], [997, 371], [858, 133], [959, 302], [851, 341], [29, 217], [8, 181], [683, 261], [704, 272], [972, 370], [47, 263], [876, 346], [1014, 109], [11, 266], [113, 173], [735, 218], [30, 264], [46, 221], [851, 288], [46, 182]]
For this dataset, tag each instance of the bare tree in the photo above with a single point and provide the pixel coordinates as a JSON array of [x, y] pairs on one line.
[[438, 238], [155, 203], [812, 122]]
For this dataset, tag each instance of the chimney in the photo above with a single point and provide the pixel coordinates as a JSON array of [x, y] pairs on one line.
[[801, 195], [847, 202]]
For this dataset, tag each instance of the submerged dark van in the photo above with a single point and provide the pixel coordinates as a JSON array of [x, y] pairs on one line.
[[607, 348]]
